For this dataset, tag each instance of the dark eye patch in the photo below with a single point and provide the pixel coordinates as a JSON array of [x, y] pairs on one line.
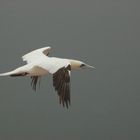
[[82, 65]]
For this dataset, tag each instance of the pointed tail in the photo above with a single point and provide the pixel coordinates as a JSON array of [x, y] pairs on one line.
[[6, 74], [21, 71]]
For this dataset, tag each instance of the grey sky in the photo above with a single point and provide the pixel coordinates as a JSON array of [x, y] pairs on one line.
[[105, 102]]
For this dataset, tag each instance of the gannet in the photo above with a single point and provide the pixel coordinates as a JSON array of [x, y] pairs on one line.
[[38, 64]]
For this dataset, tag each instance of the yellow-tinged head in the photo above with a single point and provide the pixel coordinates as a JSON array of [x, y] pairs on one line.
[[75, 64]]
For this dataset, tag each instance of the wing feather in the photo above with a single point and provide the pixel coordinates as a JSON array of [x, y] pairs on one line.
[[34, 81], [61, 82], [36, 54]]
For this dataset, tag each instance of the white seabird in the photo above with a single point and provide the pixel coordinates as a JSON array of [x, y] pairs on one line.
[[40, 64]]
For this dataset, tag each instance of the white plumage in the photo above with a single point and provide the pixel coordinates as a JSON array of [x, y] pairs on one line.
[[39, 64], [36, 54]]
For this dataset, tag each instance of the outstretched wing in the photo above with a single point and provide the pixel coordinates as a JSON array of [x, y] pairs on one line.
[[36, 54], [61, 82]]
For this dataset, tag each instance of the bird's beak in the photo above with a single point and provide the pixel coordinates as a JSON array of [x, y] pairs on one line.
[[88, 66]]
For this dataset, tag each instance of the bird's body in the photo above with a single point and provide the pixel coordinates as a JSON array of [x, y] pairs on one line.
[[43, 66], [39, 64]]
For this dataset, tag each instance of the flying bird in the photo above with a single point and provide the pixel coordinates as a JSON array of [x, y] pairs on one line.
[[40, 64]]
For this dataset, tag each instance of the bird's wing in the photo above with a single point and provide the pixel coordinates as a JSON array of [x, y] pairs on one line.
[[61, 82], [35, 80], [60, 69], [36, 54], [35, 73]]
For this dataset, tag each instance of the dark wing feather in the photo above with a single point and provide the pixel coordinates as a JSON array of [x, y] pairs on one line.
[[61, 82], [34, 81]]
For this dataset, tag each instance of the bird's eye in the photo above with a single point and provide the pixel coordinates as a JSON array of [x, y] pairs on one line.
[[82, 65]]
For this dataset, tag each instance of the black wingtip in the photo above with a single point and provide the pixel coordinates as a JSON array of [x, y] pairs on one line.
[[65, 103], [34, 82], [61, 83]]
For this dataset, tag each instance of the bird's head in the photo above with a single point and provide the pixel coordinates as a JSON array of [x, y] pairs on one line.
[[84, 65], [75, 64]]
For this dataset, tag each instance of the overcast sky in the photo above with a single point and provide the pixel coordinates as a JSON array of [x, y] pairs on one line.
[[105, 102]]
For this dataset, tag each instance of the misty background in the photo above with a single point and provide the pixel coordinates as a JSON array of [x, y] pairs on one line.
[[105, 104]]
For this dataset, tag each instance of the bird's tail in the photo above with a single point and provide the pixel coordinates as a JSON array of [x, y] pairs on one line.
[[13, 74], [21, 71], [7, 73]]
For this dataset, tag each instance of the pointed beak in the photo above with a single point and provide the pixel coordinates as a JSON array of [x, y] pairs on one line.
[[88, 66]]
